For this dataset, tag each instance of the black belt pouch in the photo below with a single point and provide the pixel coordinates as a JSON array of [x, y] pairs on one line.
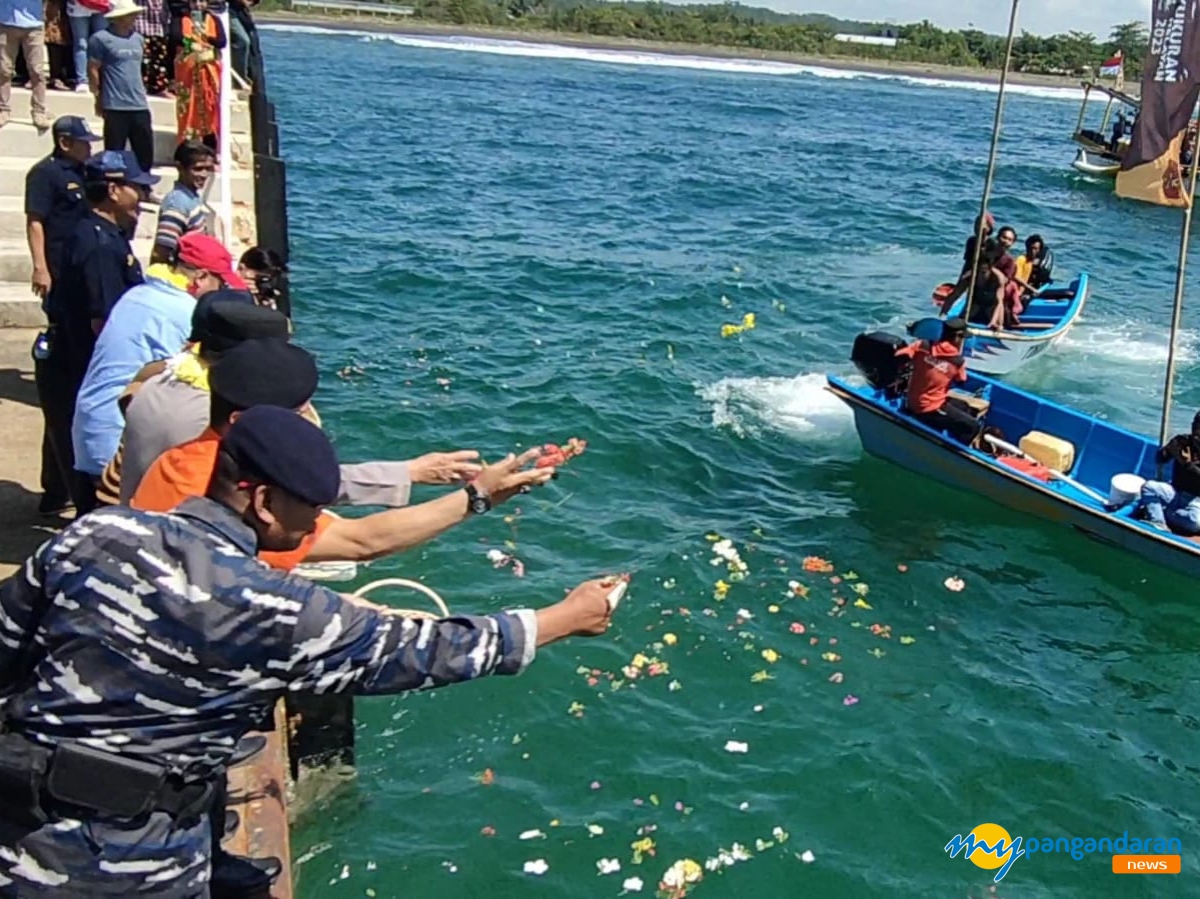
[[103, 782]]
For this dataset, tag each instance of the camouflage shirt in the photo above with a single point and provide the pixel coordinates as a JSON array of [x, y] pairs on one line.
[[166, 640]]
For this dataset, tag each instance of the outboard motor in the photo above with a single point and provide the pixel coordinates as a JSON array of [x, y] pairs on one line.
[[874, 355]]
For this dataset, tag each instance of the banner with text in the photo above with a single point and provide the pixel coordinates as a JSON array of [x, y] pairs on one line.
[[1151, 169]]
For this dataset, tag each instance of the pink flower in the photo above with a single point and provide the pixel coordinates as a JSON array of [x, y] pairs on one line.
[[850, 700], [797, 628]]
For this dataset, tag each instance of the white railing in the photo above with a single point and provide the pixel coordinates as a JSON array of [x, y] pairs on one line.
[[225, 136]]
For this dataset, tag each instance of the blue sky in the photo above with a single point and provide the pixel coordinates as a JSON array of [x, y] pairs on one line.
[[1038, 16]]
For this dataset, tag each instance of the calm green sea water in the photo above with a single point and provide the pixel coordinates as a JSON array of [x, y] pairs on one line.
[[518, 249]]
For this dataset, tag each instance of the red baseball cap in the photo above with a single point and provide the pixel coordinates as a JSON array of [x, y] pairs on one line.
[[206, 252]]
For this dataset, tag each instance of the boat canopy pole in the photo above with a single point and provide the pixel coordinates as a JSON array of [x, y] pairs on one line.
[[1087, 92], [1177, 310], [991, 169], [1107, 116]]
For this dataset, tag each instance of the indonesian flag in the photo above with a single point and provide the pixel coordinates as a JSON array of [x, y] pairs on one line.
[[1113, 66]]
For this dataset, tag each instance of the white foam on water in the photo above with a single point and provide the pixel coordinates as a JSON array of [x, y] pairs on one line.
[[799, 405], [496, 46], [1130, 342]]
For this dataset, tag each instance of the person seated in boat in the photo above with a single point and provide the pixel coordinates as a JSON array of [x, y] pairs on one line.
[[1188, 149], [1036, 265], [1119, 128], [987, 306], [936, 368], [1176, 506], [989, 225]]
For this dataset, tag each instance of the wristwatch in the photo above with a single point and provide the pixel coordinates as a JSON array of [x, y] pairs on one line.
[[478, 501]]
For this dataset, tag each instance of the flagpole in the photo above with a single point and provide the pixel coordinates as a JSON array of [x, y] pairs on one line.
[[991, 169], [1177, 309]]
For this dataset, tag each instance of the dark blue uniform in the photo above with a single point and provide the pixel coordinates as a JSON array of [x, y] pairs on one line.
[[98, 267], [54, 196]]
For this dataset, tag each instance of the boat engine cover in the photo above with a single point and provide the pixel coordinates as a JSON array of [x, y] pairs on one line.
[[874, 355]]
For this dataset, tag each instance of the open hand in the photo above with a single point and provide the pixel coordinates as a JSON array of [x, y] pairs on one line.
[[504, 479], [40, 281], [444, 468]]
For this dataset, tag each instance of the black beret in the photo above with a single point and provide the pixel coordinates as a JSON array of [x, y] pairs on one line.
[[220, 322], [267, 371], [281, 449]]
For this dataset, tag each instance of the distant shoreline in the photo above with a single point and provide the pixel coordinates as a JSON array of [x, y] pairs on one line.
[[596, 42]]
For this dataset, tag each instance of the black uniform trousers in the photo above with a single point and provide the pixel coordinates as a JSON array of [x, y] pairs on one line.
[[132, 126], [58, 384]]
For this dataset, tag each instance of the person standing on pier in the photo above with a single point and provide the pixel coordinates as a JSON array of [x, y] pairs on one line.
[[99, 266], [136, 649], [200, 38], [54, 205], [22, 27], [183, 209], [115, 77], [151, 322]]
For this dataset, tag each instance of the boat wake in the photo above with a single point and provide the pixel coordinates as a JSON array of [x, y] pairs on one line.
[[472, 44], [798, 406], [1130, 343]]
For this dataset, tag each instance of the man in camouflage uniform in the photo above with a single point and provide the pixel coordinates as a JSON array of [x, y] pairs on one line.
[[136, 649]]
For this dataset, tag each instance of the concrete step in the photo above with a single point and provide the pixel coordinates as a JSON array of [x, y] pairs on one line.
[[12, 219], [19, 308], [162, 109], [13, 171], [15, 264], [21, 140]]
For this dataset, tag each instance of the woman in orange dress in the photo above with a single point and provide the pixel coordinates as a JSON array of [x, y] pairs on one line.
[[200, 39]]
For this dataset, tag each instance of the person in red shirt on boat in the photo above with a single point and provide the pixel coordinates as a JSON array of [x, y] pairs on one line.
[[936, 368]]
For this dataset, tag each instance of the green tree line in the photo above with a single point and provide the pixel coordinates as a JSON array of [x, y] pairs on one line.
[[734, 25]]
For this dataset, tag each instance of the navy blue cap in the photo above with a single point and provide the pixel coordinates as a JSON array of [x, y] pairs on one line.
[[267, 371], [220, 322], [74, 127], [118, 165], [277, 447]]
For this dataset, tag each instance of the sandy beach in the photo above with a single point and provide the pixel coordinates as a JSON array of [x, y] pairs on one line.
[[848, 63]]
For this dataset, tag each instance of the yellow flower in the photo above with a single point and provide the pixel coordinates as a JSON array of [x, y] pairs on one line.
[[670, 639], [770, 655], [720, 588], [862, 604]]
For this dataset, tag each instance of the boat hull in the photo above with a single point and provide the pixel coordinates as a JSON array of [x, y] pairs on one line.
[[896, 438], [998, 357], [1000, 353], [1095, 164]]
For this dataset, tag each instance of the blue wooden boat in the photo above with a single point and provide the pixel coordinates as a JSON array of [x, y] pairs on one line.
[[1048, 316], [1102, 450]]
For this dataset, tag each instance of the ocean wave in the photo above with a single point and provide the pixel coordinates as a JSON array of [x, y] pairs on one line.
[[1131, 342], [472, 44], [798, 406]]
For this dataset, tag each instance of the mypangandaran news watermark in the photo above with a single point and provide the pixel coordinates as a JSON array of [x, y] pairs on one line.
[[990, 846]]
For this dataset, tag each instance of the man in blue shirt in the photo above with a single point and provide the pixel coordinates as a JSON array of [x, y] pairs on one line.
[[98, 267], [21, 27], [54, 205], [183, 210], [115, 78], [137, 648], [151, 321]]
